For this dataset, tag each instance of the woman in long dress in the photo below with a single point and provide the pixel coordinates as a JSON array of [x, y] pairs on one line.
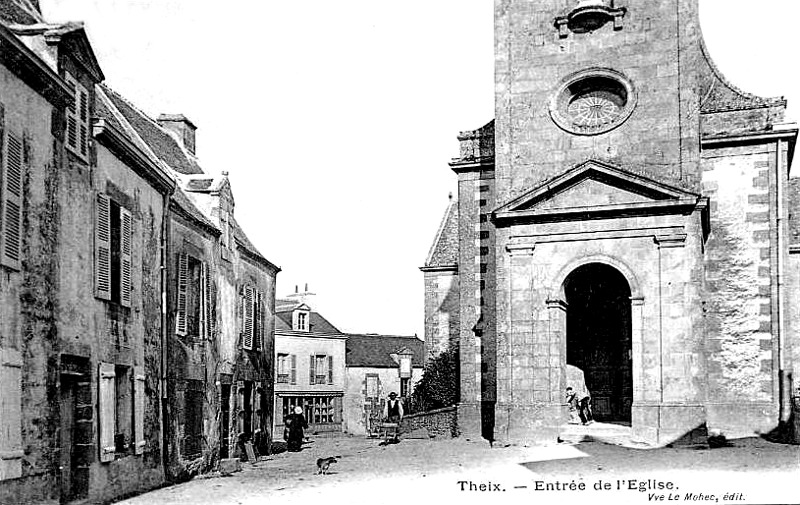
[[295, 424]]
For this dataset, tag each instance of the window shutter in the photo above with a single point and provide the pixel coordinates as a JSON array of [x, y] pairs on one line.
[[126, 280], [11, 418], [247, 338], [312, 373], [11, 238], [209, 296], [330, 369], [183, 279], [203, 324], [83, 120], [107, 408], [259, 334], [72, 116], [138, 409], [102, 245], [294, 369]]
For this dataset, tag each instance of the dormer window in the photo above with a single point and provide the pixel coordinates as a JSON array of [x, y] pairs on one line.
[[300, 322], [77, 137]]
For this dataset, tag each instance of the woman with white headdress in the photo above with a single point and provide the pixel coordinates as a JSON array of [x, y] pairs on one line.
[[295, 424]]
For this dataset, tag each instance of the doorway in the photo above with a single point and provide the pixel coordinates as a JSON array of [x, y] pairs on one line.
[[599, 338]]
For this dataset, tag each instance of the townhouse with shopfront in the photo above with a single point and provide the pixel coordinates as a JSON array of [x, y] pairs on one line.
[[105, 391], [309, 366]]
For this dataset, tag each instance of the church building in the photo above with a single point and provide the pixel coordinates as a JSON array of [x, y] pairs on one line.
[[629, 212]]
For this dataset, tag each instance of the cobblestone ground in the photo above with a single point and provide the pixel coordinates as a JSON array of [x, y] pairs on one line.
[[421, 471]]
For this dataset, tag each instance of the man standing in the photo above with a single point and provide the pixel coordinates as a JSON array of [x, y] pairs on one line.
[[393, 410]]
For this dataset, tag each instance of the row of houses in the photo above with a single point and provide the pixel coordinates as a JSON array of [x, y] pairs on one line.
[[340, 380], [136, 317], [140, 341]]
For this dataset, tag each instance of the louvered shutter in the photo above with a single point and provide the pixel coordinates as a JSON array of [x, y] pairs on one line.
[[72, 116], [203, 325], [247, 338], [138, 409], [294, 369], [259, 333], [330, 369], [312, 372], [107, 408], [183, 279], [102, 247], [11, 237], [83, 120], [126, 279], [11, 452], [210, 295]]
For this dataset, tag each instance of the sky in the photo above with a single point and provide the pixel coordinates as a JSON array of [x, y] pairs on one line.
[[336, 120]]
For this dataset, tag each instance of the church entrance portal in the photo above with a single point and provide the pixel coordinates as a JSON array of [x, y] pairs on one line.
[[599, 337]]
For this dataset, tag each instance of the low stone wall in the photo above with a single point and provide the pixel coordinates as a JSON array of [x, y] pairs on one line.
[[440, 423]]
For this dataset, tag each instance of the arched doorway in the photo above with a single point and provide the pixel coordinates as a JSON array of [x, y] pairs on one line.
[[599, 337]]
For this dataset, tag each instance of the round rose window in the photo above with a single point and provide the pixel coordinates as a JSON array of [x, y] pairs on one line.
[[592, 102]]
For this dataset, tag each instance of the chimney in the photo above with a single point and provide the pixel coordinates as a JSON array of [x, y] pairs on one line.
[[181, 125]]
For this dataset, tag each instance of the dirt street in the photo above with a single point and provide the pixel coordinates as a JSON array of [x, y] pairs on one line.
[[421, 471]]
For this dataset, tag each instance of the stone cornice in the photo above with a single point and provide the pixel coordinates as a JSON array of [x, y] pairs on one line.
[[440, 268]]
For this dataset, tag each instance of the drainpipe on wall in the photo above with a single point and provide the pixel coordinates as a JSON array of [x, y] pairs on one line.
[[165, 231]]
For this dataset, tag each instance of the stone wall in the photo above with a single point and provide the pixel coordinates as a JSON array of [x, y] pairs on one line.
[[441, 311], [741, 282], [439, 423]]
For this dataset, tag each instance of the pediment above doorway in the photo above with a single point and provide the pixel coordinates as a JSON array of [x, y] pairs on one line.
[[595, 190]]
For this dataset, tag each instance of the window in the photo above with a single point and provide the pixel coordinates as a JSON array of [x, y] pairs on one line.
[[77, 138], [11, 418], [405, 366], [253, 319], [300, 320], [114, 395], [11, 177], [287, 369], [113, 230], [195, 304], [404, 383], [320, 369], [124, 405], [372, 386], [316, 409]]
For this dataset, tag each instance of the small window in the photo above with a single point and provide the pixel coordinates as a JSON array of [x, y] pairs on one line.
[[283, 370], [405, 366], [372, 386], [301, 320], [404, 386], [321, 366], [124, 409]]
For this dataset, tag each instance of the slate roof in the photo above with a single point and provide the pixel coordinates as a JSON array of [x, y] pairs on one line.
[[162, 142], [318, 324], [244, 243], [444, 251], [367, 350], [19, 12]]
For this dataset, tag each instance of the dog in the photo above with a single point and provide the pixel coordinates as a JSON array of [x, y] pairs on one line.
[[323, 464]]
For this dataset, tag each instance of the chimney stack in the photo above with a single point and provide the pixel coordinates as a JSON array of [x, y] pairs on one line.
[[181, 125]]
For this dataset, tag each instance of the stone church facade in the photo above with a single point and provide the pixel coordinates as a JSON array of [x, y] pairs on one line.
[[629, 212]]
